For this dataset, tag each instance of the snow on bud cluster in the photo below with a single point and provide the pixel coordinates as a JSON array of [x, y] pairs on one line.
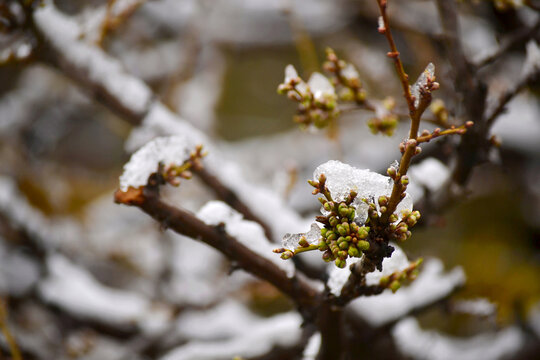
[[172, 152], [347, 207], [316, 99]]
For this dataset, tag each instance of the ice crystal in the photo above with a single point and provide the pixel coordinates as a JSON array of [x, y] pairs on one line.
[[421, 82], [290, 241]]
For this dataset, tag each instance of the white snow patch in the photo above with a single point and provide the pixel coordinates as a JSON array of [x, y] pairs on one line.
[[255, 340], [169, 151], [342, 178], [532, 60], [432, 345], [478, 307], [321, 87], [312, 348], [421, 82], [430, 173], [249, 233], [75, 290]]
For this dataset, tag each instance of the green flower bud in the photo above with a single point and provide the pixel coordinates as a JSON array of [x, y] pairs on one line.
[[363, 232], [342, 254], [333, 221], [405, 180], [353, 251], [340, 263], [344, 245], [362, 245], [383, 201], [330, 235], [287, 255], [341, 230], [323, 246], [324, 231], [394, 286]]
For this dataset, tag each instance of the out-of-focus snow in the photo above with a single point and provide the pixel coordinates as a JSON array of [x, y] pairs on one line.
[[430, 173], [249, 233], [532, 60], [75, 290], [312, 348], [18, 273], [432, 284], [422, 344], [169, 151], [478, 307], [519, 127], [252, 337]]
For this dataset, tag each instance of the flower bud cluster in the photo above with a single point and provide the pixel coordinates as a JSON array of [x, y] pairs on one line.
[[385, 124], [341, 237], [317, 100], [396, 279], [346, 75], [400, 231]]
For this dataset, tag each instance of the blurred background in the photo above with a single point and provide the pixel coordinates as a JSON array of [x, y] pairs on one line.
[[217, 65]]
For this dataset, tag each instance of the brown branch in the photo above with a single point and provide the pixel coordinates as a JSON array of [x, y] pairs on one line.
[[8, 336], [474, 144], [185, 223]]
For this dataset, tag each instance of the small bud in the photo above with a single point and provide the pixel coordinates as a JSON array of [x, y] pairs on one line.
[[333, 221], [363, 232], [362, 245], [287, 255], [418, 150], [343, 245], [391, 171], [340, 263], [323, 246], [330, 236], [353, 251], [393, 218], [383, 209], [394, 286], [341, 230], [324, 231], [383, 200], [342, 254], [405, 180], [303, 242]]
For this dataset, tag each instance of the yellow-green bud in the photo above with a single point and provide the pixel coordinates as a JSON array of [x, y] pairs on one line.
[[362, 245]]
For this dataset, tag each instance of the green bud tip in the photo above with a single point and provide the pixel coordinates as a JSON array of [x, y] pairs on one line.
[[394, 286], [287, 255], [362, 245]]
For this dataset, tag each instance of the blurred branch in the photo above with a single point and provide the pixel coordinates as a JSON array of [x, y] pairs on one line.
[[511, 41], [93, 74]]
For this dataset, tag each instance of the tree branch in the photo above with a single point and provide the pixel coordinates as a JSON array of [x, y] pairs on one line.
[[185, 223]]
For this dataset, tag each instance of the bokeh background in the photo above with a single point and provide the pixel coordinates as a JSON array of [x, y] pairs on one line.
[[217, 64]]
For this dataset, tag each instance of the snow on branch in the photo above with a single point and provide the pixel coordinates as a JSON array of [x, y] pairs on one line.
[[63, 34], [249, 233]]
